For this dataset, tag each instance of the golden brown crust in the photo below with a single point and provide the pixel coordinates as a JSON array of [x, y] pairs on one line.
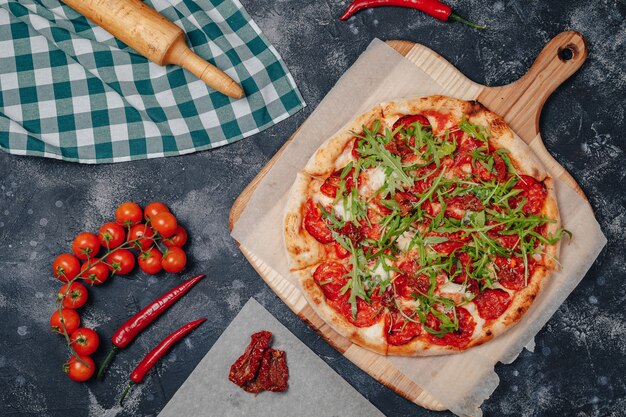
[[306, 253], [328, 157]]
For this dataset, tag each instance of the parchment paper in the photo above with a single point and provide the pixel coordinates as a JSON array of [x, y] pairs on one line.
[[315, 390], [460, 382]]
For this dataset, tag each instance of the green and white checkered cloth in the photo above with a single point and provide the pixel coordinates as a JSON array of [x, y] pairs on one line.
[[69, 90]]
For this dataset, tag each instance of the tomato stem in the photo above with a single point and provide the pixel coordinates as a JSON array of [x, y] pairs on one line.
[[106, 362], [125, 392]]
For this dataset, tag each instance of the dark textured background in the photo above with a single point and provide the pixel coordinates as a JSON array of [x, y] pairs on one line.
[[578, 365]]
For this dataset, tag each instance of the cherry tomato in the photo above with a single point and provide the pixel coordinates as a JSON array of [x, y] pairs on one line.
[[76, 296], [150, 261], [65, 267], [165, 224], [85, 341], [111, 235], [71, 319], [86, 245], [121, 262], [179, 238], [128, 213], [174, 260], [96, 274], [78, 371], [138, 231], [153, 209]]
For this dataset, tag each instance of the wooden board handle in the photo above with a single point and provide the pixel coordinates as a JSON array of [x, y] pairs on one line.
[[558, 60]]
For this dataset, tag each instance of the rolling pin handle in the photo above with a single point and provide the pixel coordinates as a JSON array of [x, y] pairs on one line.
[[181, 55]]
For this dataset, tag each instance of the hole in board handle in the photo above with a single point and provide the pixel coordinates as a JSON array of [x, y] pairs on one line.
[[567, 53]]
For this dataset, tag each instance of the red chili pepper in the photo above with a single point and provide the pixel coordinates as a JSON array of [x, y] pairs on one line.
[[137, 323], [434, 8], [157, 353]]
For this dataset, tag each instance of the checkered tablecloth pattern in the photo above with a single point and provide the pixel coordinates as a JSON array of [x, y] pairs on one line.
[[71, 91]]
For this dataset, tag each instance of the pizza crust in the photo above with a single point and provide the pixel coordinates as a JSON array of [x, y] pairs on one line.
[[305, 253], [329, 157]]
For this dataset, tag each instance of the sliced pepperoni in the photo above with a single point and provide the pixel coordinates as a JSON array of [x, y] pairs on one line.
[[458, 205], [330, 186], [398, 329], [340, 251], [315, 225], [446, 248], [331, 277], [501, 169], [408, 267], [510, 272], [492, 303], [455, 241], [405, 201], [459, 338], [407, 121], [352, 232], [533, 191], [367, 313]]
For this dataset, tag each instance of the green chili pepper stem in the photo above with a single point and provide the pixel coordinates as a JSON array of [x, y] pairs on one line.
[[106, 362], [125, 392], [457, 18]]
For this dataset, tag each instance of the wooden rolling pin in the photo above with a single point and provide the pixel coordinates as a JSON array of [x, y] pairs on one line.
[[153, 36]]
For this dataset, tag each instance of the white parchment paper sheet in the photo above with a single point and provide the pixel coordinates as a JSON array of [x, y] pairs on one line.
[[460, 382], [315, 390]]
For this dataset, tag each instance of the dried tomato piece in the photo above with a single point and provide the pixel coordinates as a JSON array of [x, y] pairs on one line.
[[405, 201], [457, 206], [273, 373], [246, 366]]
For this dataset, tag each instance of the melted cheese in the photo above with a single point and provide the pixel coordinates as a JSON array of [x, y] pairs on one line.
[[404, 240], [322, 199], [340, 210], [480, 322], [373, 180], [380, 272], [454, 288]]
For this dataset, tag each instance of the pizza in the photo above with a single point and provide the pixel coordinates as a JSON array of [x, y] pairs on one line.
[[424, 227]]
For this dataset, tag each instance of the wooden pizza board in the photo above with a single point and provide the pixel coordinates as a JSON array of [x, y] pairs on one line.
[[520, 104]]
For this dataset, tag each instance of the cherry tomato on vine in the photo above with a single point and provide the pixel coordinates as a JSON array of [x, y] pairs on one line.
[[85, 341], [111, 235], [78, 371], [121, 262], [71, 319], [86, 245], [65, 267], [76, 296], [94, 273], [179, 238], [174, 260], [164, 223], [128, 213], [137, 232], [153, 209], [150, 261]]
